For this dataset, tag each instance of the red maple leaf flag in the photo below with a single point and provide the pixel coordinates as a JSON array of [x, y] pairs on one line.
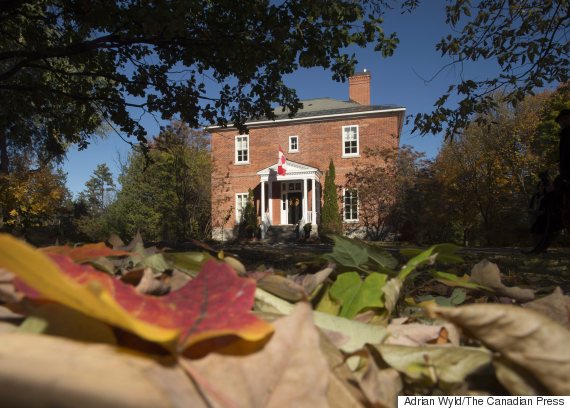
[[281, 170]]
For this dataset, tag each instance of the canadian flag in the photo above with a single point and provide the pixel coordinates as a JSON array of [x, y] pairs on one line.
[[281, 170]]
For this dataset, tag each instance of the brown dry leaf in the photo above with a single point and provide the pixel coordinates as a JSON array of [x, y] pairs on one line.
[[381, 386], [8, 293], [282, 287], [149, 285], [487, 273], [290, 371], [310, 281], [416, 334], [344, 389], [556, 306], [115, 241], [42, 371], [526, 338]]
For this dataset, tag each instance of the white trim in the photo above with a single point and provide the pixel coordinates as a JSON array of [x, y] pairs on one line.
[[236, 162], [239, 210], [309, 118], [294, 150], [357, 154], [350, 221]]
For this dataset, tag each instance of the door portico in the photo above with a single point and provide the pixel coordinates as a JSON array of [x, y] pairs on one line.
[[295, 192]]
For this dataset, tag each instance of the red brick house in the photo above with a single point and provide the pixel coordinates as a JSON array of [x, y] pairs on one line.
[[323, 129]]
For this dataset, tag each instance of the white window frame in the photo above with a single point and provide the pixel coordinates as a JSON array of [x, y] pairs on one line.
[[239, 207], [350, 220], [237, 161], [291, 150], [346, 129]]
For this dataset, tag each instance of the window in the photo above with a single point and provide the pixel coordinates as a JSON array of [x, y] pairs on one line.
[[241, 201], [242, 149], [350, 205], [293, 144], [350, 141]]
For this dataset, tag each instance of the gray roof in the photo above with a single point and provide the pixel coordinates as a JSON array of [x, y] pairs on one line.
[[330, 106]]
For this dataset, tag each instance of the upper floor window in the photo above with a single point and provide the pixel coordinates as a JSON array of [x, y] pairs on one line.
[[242, 149], [350, 141], [293, 144], [241, 202], [350, 205]]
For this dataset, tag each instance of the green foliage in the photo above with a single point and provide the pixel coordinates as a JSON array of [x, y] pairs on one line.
[[355, 295], [249, 224], [526, 39], [166, 196], [32, 196], [351, 254], [331, 222], [349, 295], [68, 66], [456, 298]]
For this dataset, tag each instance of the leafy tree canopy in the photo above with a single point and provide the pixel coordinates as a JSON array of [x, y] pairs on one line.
[[69, 65], [528, 39], [66, 66]]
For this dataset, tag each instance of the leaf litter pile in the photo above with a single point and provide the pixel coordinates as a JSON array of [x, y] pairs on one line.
[[129, 326]]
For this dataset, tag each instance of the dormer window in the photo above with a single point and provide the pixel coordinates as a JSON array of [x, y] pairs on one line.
[[293, 144]]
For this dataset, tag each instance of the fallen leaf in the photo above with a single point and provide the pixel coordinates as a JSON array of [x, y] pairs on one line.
[[85, 253], [416, 334], [150, 285], [381, 384], [354, 294], [464, 281], [347, 253], [290, 371], [217, 302], [344, 389], [556, 306], [8, 294], [526, 338], [282, 287], [115, 241], [57, 320], [435, 364], [327, 304], [358, 333], [48, 371], [487, 273], [391, 294], [311, 281]]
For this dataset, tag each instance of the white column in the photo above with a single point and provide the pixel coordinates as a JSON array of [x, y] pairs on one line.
[[314, 202], [270, 202], [263, 201], [305, 199]]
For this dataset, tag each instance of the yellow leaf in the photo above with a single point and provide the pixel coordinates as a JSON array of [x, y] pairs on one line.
[[39, 272]]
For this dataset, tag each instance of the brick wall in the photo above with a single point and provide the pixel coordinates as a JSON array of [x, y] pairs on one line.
[[318, 143]]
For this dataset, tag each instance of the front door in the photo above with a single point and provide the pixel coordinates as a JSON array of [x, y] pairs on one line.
[[295, 208]]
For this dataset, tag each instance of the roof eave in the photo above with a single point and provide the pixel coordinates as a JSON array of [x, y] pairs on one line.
[[311, 118]]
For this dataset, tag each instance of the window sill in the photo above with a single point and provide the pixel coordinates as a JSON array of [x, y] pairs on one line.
[[241, 163], [293, 151], [350, 221], [350, 156]]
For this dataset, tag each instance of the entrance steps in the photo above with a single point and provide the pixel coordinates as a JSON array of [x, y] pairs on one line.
[[280, 233]]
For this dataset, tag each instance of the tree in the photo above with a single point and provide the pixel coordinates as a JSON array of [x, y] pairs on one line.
[[331, 222], [248, 223], [526, 38], [31, 197], [166, 197], [70, 65], [488, 173], [98, 195], [384, 180], [99, 191]]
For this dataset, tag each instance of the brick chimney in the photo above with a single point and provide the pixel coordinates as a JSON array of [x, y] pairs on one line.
[[359, 88]]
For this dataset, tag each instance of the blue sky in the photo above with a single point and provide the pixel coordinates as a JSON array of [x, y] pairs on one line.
[[400, 80]]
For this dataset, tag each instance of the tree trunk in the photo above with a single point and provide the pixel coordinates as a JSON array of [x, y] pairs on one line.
[[4, 162]]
